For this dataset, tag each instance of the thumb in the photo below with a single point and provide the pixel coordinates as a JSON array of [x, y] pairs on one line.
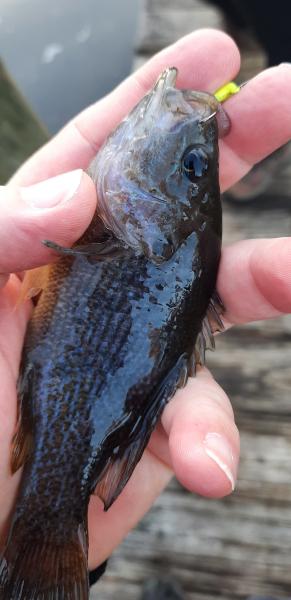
[[58, 209]]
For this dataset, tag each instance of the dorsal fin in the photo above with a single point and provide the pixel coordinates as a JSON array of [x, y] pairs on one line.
[[212, 323]]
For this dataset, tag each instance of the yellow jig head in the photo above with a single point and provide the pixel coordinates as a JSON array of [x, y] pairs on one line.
[[226, 91]]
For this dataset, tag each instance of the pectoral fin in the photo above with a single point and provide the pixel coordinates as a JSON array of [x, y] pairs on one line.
[[99, 250]]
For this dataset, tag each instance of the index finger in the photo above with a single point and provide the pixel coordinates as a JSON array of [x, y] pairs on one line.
[[254, 280]]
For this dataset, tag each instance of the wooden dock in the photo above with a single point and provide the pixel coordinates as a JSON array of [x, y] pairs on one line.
[[240, 546]]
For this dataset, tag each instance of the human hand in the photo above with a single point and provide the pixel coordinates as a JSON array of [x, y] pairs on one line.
[[197, 438]]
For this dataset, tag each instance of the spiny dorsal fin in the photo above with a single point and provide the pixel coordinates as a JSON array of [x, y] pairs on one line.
[[212, 323], [214, 313]]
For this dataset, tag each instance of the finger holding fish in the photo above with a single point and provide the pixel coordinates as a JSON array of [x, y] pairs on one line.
[[254, 280], [203, 437], [256, 130], [60, 208]]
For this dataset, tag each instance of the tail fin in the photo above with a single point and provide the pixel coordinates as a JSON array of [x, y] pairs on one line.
[[45, 569]]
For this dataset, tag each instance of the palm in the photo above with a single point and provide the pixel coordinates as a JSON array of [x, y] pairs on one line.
[[252, 279]]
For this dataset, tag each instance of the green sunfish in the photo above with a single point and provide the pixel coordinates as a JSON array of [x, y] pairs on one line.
[[122, 320]]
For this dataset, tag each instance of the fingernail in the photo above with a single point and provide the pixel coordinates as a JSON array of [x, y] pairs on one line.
[[219, 450], [53, 191]]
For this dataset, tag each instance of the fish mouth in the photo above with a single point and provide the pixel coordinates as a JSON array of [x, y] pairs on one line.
[[167, 79], [157, 95]]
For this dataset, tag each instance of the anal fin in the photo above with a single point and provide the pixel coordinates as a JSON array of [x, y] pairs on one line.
[[120, 466], [116, 474]]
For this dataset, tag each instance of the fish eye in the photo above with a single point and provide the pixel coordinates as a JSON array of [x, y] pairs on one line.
[[195, 163]]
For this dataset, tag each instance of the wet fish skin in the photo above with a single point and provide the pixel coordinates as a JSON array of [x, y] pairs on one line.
[[113, 335]]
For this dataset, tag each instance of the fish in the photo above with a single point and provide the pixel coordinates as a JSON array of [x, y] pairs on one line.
[[120, 322]]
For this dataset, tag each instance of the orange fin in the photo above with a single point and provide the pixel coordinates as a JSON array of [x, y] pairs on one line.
[[22, 445], [33, 283]]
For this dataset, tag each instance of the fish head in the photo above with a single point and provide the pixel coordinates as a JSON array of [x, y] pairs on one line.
[[157, 173]]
